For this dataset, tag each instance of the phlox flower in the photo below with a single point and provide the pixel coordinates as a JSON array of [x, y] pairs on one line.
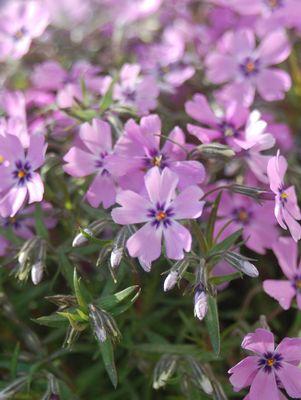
[[17, 169], [280, 131], [256, 220], [23, 223], [20, 23], [159, 210], [135, 90], [246, 69], [138, 150], [286, 251], [269, 369], [93, 159], [287, 211], [50, 76]]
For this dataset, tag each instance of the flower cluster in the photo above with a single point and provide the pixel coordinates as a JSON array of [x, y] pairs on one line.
[[146, 136]]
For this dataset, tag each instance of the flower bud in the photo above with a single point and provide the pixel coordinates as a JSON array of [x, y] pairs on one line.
[[200, 304], [170, 280], [91, 230], [103, 324], [216, 150], [37, 271], [116, 257]]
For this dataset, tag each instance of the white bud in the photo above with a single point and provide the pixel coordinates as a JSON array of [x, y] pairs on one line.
[[170, 280], [37, 271], [80, 238], [250, 269], [116, 257], [200, 305]]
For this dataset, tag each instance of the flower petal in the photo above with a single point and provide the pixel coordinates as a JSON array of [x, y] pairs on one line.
[[259, 341], [161, 187], [272, 84], [188, 204], [177, 238], [35, 188], [102, 190], [243, 372], [290, 377], [282, 291], [134, 208], [286, 251], [264, 387], [199, 109], [290, 348]]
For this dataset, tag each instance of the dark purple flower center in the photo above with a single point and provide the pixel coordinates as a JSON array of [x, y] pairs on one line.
[[283, 196], [270, 361], [249, 67], [11, 221], [22, 173], [228, 129], [296, 282], [100, 163], [161, 215], [156, 159], [242, 215], [129, 94]]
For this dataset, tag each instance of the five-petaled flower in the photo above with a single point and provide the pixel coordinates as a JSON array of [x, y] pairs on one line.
[[18, 176], [159, 210], [286, 207], [270, 368]]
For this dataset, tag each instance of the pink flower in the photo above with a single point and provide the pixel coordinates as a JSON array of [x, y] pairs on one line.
[[18, 177], [20, 22], [50, 76], [159, 210], [257, 221], [135, 90], [284, 291], [270, 368], [287, 211], [93, 159], [138, 150], [223, 126], [245, 68]]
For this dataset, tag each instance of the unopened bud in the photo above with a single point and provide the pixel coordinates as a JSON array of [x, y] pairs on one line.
[[103, 324], [241, 264], [26, 249], [90, 231], [253, 192], [37, 271], [116, 257], [200, 304], [215, 150], [170, 280]]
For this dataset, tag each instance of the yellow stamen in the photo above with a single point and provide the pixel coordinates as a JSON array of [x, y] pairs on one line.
[[157, 161], [1, 159], [250, 66], [284, 195], [298, 284], [270, 362], [160, 215], [21, 174], [243, 215]]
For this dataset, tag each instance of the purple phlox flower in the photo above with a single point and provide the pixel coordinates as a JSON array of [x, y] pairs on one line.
[[20, 23], [159, 210], [270, 14], [286, 251], [217, 125], [93, 159], [19, 178], [23, 223], [268, 369], [138, 150], [135, 90], [256, 220], [255, 140], [245, 69], [50, 76], [286, 210], [167, 61]]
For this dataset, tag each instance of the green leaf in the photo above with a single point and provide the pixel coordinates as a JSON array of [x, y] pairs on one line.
[[66, 267], [53, 320], [200, 237], [226, 243], [128, 295], [107, 353], [41, 229], [14, 362], [78, 292], [212, 219], [212, 323], [217, 280], [107, 99]]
